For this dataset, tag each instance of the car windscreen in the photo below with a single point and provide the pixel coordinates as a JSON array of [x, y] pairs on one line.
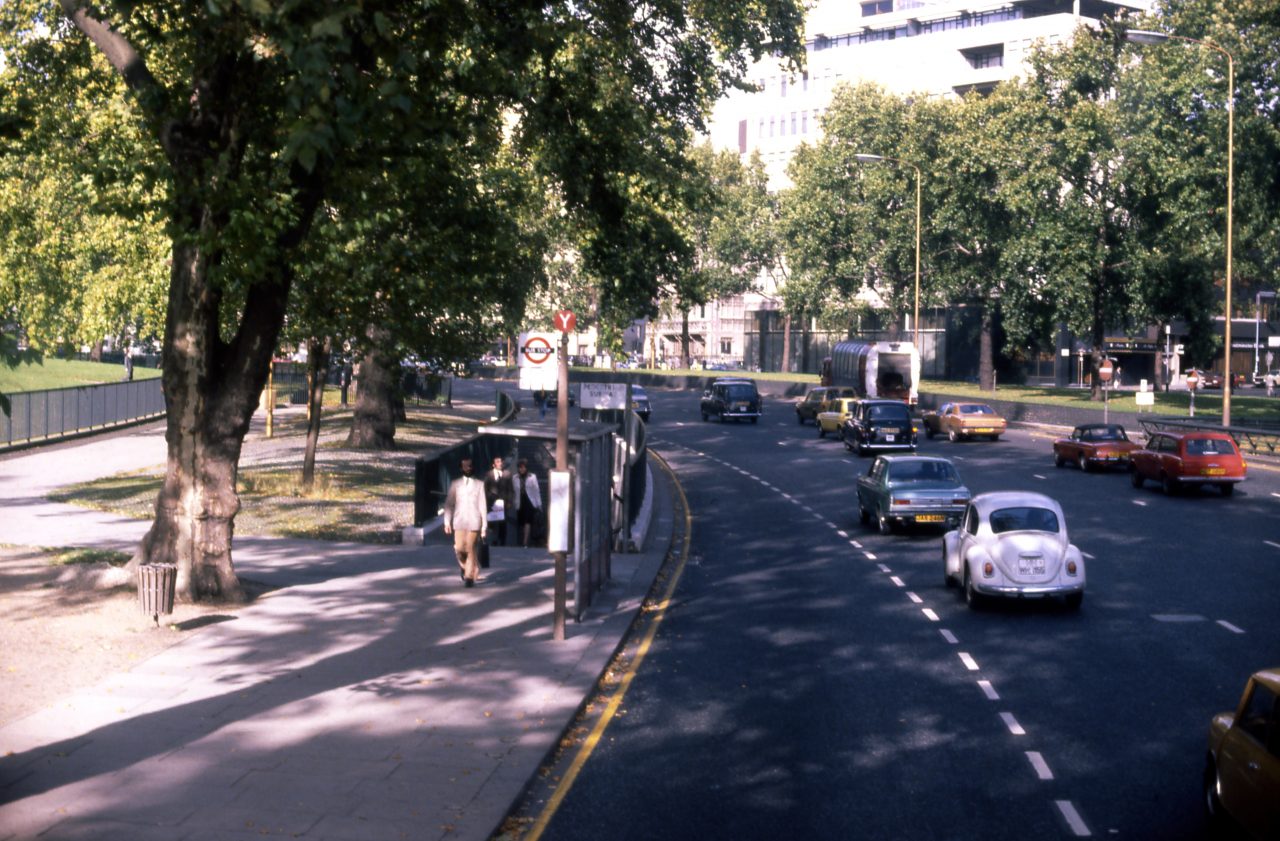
[[923, 471], [1024, 519], [1209, 447], [889, 412], [740, 392]]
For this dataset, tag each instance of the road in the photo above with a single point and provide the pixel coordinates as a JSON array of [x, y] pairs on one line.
[[813, 679]]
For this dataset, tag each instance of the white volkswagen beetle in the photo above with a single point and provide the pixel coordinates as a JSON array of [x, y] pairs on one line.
[[1013, 544]]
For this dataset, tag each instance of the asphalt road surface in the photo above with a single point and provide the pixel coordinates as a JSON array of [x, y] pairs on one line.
[[813, 679]]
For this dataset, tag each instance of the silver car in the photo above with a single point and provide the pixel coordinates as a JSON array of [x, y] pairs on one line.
[[1013, 544], [907, 489]]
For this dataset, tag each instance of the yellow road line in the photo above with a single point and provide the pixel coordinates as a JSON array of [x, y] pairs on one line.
[[659, 611]]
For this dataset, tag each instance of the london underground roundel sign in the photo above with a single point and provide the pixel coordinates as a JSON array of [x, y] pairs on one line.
[[537, 350]]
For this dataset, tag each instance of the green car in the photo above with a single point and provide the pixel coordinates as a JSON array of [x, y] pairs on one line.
[[902, 490]]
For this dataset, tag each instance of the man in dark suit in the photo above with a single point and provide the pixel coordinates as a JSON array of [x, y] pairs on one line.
[[498, 488]]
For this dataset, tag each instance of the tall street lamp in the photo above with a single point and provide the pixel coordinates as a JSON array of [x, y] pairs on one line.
[[915, 318], [1144, 36], [1257, 329]]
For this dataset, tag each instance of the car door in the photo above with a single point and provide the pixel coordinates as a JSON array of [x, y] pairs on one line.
[[1249, 764], [964, 536], [869, 485]]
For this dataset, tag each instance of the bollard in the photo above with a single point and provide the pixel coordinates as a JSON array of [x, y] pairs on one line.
[[156, 585]]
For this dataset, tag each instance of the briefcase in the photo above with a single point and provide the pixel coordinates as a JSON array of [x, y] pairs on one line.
[[482, 553]]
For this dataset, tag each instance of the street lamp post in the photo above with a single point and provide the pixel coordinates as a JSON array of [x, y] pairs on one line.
[[1257, 328], [915, 316], [1144, 36]]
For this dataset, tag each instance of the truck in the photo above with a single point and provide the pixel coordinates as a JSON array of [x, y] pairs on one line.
[[875, 369]]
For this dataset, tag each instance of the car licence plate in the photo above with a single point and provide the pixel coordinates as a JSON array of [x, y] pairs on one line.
[[1031, 566], [1213, 471], [984, 430], [930, 518], [889, 437]]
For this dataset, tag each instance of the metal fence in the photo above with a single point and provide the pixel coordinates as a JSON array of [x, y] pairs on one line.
[[39, 416]]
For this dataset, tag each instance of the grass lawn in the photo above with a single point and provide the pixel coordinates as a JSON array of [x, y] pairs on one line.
[[65, 373]]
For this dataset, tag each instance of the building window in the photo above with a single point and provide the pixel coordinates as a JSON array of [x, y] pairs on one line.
[[726, 347], [784, 87], [793, 122], [804, 81], [772, 120], [742, 137], [804, 122], [877, 7], [983, 57]]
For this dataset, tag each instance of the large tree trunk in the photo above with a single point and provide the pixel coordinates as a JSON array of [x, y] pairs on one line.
[[986, 357], [373, 426], [211, 391], [786, 342], [317, 376], [685, 361]]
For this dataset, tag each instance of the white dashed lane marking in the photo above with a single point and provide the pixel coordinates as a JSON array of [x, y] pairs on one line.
[[988, 690], [914, 598], [1141, 502], [1232, 628], [1038, 476], [930, 615], [1073, 818], [884, 568], [1041, 767], [870, 557], [897, 581], [1272, 544], [1012, 723], [969, 662], [949, 637]]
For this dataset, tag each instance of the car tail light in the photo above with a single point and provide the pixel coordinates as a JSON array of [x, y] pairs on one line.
[[960, 501], [988, 570], [1071, 568], [902, 502]]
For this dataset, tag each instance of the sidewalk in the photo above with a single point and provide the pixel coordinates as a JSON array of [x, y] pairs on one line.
[[372, 697]]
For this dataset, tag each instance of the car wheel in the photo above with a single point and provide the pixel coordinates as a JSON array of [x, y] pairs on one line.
[[1212, 803], [928, 432], [1227, 488], [1074, 600], [722, 417], [864, 516], [953, 436], [1135, 478], [1082, 463], [753, 420], [972, 597], [799, 418], [822, 432], [704, 417], [840, 432], [1170, 487], [848, 445], [883, 523], [1058, 460], [946, 577], [995, 437]]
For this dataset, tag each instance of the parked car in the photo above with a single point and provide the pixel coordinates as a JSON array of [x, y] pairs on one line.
[[963, 420], [909, 489], [553, 397], [1094, 445], [879, 425], [732, 398], [832, 418], [1013, 544], [818, 400], [1242, 770], [640, 402], [1180, 460]]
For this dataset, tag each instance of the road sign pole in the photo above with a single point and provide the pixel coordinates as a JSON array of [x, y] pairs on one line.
[[562, 464]]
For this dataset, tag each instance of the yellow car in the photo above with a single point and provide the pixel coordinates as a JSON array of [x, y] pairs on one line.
[[833, 417], [1242, 772], [964, 420]]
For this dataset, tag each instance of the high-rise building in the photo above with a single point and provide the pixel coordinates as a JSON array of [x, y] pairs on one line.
[[909, 47]]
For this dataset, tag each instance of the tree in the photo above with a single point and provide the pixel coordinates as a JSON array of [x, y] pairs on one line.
[[252, 111]]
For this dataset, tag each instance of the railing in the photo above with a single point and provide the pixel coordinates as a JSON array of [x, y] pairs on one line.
[[41, 416], [1253, 439]]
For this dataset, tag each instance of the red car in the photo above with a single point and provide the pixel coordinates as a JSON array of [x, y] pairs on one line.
[[1180, 460], [1094, 445]]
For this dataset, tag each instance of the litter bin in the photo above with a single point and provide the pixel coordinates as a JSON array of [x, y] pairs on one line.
[[156, 585]]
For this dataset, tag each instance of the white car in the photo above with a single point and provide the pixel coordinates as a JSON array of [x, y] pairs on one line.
[[1013, 544]]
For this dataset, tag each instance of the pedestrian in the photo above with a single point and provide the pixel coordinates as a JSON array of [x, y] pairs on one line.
[[465, 519], [540, 400], [528, 501], [1270, 380], [128, 366], [498, 488]]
